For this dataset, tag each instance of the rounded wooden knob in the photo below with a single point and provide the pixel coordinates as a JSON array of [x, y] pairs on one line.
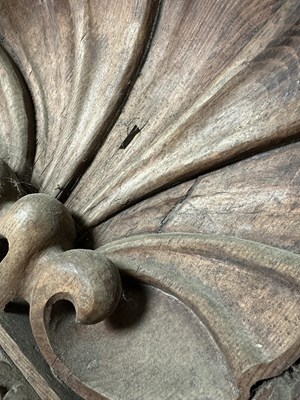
[[84, 277]]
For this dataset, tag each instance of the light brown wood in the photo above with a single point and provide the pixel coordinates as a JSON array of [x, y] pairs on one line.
[[208, 94], [91, 60], [19, 344], [149, 175], [17, 118]]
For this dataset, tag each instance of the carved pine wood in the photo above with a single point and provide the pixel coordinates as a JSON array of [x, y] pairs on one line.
[[149, 180]]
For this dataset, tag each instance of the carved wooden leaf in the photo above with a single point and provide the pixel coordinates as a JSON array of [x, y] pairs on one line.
[[202, 100], [176, 118], [241, 290], [255, 199], [76, 65]]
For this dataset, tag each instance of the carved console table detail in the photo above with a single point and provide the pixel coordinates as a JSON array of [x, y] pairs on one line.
[[149, 197]]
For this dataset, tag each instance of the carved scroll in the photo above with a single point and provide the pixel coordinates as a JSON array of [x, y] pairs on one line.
[[243, 292], [169, 131]]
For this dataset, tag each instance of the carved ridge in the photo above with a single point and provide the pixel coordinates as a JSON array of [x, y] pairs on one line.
[[42, 267]]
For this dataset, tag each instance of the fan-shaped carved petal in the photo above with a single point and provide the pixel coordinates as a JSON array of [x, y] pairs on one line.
[[255, 199], [13, 385], [209, 92], [16, 118], [80, 59], [246, 293]]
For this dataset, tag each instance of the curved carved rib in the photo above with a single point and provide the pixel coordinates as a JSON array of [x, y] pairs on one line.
[[16, 116], [244, 292], [40, 266], [255, 199], [206, 97], [248, 294]]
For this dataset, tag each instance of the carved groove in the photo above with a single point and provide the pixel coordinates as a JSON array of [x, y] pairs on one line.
[[170, 130], [233, 113]]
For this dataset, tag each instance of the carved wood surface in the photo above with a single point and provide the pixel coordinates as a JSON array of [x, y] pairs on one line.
[[13, 386], [20, 346], [149, 175]]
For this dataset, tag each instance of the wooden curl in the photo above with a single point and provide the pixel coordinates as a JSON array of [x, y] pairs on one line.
[[41, 267]]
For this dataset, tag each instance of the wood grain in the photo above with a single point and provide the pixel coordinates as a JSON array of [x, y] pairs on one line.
[[206, 96], [255, 199], [153, 346], [17, 119], [19, 344], [10, 188], [247, 294], [13, 385], [170, 131], [41, 266], [78, 58]]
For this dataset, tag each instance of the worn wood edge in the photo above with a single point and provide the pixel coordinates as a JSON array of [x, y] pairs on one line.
[[26, 367], [13, 385], [283, 387], [17, 341]]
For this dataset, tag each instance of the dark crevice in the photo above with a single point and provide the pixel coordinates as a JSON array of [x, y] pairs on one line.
[[152, 19], [256, 150], [131, 135], [3, 391], [17, 307], [4, 246]]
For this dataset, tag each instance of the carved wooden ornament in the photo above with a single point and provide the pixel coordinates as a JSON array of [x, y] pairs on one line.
[[150, 182]]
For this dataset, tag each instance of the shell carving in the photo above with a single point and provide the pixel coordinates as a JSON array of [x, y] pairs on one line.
[[150, 184]]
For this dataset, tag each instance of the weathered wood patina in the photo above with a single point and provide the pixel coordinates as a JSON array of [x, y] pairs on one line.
[[149, 198]]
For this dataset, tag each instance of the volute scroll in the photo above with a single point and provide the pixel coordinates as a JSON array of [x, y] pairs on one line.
[[42, 266]]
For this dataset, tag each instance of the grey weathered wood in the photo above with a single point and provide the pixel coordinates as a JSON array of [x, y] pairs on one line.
[[254, 199], [170, 131], [13, 385], [18, 342]]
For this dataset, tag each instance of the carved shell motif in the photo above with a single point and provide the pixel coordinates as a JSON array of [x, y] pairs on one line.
[[162, 136]]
